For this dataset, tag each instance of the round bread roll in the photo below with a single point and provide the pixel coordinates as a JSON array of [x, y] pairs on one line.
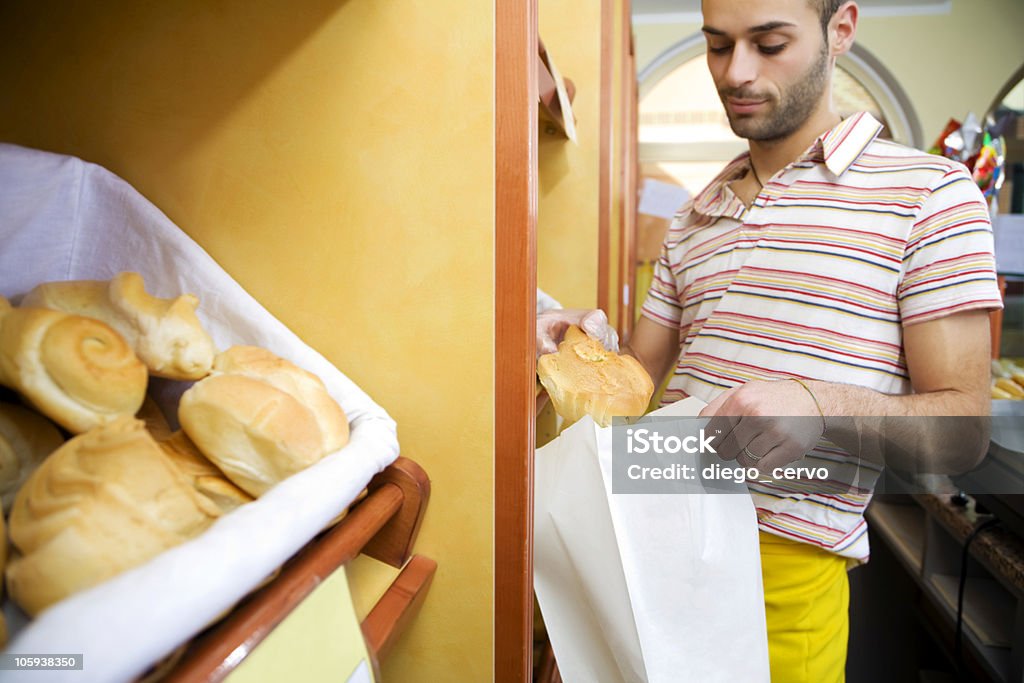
[[165, 333], [307, 388], [76, 371], [104, 502], [26, 438], [260, 418], [583, 378]]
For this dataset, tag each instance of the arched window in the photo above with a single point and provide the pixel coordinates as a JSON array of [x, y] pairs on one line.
[[683, 131]]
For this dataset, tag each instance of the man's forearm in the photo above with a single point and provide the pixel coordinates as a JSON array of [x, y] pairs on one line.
[[656, 376], [938, 431]]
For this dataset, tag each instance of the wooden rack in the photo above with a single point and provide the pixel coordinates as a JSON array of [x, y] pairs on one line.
[[384, 525]]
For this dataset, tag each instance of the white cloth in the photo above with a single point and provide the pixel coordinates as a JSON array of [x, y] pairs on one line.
[[65, 219]]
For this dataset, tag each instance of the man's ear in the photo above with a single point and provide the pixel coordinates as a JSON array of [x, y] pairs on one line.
[[842, 28]]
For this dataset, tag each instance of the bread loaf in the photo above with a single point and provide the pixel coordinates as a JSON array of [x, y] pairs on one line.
[[204, 476], [260, 419], [105, 501], [76, 371], [165, 333], [26, 438], [154, 419], [582, 378]]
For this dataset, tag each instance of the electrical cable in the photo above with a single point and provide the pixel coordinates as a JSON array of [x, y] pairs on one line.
[[958, 637]]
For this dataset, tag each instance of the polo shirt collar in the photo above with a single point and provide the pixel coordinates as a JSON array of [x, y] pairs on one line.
[[838, 148], [844, 144], [717, 199]]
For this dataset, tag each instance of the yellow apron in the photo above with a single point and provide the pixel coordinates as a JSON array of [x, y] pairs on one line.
[[807, 598]]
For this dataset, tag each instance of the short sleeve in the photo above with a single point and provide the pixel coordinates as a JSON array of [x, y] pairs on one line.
[[949, 262], [662, 303]]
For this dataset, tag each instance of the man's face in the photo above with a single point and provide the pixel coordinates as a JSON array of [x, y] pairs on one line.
[[769, 61]]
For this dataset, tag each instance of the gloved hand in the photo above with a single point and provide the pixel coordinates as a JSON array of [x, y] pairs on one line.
[[551, 327]]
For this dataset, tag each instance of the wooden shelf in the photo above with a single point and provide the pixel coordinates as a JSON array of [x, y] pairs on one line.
[[386, 520], [998, 662], [904, 527], [926, 535], [988, 608]]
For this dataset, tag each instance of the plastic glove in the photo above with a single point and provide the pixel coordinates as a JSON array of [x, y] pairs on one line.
[[545, 302], [552, 325]]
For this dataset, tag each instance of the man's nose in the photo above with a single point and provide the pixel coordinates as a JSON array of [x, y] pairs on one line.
[[742, 67]]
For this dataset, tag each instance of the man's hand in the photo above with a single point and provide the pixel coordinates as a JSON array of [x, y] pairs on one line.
[[552, 325], [765, 424]]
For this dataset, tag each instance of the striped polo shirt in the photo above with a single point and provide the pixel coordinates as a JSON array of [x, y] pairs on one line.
[[840, 249]]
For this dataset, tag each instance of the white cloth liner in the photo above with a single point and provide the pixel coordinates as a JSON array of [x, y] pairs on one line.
[[644, 588], [65, 219]]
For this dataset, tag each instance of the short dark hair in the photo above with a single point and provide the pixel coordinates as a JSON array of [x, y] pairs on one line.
[[826, 10]]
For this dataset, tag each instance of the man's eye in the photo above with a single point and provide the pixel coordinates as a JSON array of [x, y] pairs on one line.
[[772, 49], [719, 50]]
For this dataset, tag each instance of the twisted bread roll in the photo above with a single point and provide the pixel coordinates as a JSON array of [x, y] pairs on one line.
[[165, 333], [26, 438], [104, 502], [260, 418], [585, 379], [76, 371]]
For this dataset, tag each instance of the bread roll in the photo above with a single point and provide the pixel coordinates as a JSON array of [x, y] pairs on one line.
[[76, 371], [165, 333], [154, 419], [583, 378], [260, 419], [26, 438], [307, 388], [104, 502], [204, 476]]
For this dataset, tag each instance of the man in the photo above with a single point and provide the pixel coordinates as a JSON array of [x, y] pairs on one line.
[[825, 273]]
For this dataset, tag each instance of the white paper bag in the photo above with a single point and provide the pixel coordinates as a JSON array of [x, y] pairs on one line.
[[644, 587]]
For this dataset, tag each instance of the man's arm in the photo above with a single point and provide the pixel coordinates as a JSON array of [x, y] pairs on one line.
[[655, 346], [948, 362], [947, 359]]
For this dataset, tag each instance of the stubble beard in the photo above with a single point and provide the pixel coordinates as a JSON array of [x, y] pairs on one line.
[[796, 106]]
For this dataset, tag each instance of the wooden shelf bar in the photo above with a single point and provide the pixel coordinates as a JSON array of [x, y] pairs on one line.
[[398, 606], [215, 654]]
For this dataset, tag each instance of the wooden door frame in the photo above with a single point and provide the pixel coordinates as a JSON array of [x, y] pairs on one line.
[[627, 293], [515, 310], [606, 162]]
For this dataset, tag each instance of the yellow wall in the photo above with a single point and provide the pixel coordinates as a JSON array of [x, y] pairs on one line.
[[568, 173], [948, 64], [336, 157]]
